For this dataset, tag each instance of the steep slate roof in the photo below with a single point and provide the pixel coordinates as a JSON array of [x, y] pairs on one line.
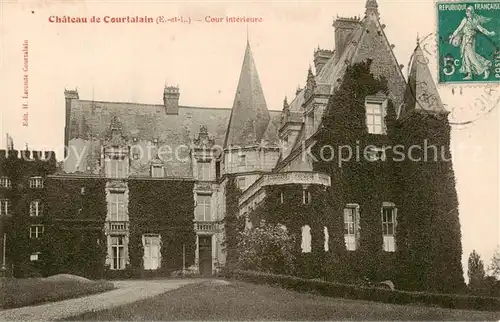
[[148, 121], [145, 121], [249, 115], [421, 93]]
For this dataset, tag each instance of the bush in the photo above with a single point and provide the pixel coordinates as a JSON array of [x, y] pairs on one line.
[[267, 248], [452, 301], [31, 291]]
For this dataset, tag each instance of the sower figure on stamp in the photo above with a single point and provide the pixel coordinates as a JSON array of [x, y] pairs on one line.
[[465, 37]]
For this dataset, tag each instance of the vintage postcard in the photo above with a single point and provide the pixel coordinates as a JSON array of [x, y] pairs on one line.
[[190, 160]]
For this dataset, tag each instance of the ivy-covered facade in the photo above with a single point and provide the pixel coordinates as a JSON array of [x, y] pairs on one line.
[[164, 189], [22, 210], [83, 238], [365, 181]]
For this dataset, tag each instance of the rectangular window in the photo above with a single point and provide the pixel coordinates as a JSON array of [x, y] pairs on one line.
[[282, 197], [117, 252], [36, 231], [375, 154], [35, 256], [36, 208], [115, 164], [152, 255], [4, 207], [157, 171], [117, 207], [242, 183], [389, 228], [242, 162], [306, 197], [36, 182], [217, 170], [5, 182], [375, 118], [351, 227], [204, 170], [203, 208]]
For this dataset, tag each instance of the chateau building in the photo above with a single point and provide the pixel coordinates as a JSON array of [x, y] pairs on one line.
[[147, 183], [22, 208]]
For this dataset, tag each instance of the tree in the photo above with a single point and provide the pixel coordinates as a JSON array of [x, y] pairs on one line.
[[475, 270], [494, 268]]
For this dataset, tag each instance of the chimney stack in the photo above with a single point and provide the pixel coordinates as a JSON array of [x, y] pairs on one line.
[[343, 30], [321, 56], [171, 100]]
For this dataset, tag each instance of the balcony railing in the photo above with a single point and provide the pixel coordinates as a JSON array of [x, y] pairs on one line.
[[208, 226], [117, 226], [280, 178]]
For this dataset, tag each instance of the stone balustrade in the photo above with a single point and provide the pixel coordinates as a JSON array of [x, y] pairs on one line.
[[281, 178]]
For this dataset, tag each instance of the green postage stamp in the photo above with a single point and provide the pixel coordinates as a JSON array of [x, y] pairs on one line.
[[468, 42]]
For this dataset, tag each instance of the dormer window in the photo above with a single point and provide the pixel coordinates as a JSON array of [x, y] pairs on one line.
[[204, 170], [36, 182], [157, 171], [116, 163], [5, 182], [242, 183], [375, 113]]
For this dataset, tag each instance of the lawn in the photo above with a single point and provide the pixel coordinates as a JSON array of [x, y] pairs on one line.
[[245, 301], [31, 291]]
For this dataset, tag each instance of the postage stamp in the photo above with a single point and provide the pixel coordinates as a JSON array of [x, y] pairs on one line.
[[465, 102], [468, 42]]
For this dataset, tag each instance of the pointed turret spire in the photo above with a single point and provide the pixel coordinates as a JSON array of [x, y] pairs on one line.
[[249, 116], [372, 8], [421, 93]]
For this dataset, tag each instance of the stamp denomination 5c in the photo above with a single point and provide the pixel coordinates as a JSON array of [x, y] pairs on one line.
[[468, 42]]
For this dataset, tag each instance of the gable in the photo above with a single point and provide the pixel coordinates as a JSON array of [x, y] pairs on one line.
[[375, 46]]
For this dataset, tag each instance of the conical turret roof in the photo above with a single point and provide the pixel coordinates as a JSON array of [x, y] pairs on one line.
[[249, 115], [421, 93]]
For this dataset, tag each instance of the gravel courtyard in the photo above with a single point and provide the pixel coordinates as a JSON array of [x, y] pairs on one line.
[[128, 292]]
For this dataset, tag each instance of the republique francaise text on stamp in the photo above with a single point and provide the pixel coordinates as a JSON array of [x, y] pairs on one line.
[[468, 42]]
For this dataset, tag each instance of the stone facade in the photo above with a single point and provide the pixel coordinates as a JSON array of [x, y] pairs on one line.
[[197, 150]]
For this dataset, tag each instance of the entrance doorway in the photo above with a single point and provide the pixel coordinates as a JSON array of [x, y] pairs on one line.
[[205, 255]]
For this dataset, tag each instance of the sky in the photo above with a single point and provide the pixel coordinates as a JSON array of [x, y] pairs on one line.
[[133, 62]]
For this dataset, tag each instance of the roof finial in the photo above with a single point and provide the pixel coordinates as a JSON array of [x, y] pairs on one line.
[[418, 40], [371, 8]]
